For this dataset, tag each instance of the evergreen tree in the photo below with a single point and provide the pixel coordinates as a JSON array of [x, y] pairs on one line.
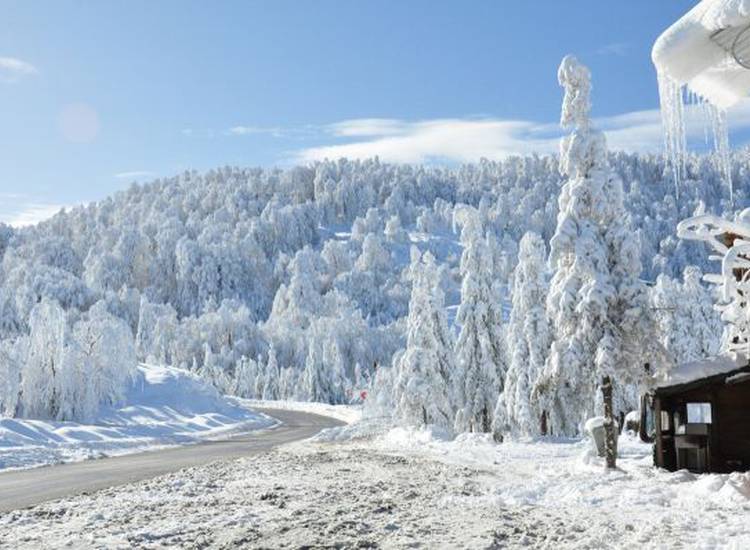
[[424, 369], [273, 374], [597, 302], [528, 342], [480, 353]]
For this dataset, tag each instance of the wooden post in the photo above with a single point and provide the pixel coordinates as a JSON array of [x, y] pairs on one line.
[[610, 441]]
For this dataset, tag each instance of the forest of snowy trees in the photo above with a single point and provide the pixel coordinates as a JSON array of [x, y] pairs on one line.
[[447, 292]]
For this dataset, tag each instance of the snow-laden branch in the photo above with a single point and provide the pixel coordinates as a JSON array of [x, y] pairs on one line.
[[732, 240]]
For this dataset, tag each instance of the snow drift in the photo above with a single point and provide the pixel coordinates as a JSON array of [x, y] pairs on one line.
[[163, 406]]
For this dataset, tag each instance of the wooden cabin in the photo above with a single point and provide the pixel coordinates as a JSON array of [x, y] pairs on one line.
[[701, 416]]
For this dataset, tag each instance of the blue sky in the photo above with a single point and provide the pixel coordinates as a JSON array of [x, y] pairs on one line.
[[94, 95]]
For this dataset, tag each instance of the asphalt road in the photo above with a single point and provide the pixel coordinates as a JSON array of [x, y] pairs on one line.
[[25, 488]]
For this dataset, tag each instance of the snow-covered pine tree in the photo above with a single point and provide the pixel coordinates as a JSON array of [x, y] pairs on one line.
[[480, 351], [706, 320], [597, 303], [288, 382], [272, 374], [315, 384], [245, 374], [213, 371], [423, 372], [528, 342], [688, 325], [260, 379]]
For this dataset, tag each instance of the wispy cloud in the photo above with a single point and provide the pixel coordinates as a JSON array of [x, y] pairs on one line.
[[29, 213], [468, 139], [135, 175], [440, 140], [13, 69], [292, 132], [619, 49], [254, 130]]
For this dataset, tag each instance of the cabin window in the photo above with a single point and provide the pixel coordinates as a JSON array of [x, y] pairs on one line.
[[699, 413], [664, 421]]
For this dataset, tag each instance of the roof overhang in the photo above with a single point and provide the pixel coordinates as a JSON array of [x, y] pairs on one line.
[[699, 51]]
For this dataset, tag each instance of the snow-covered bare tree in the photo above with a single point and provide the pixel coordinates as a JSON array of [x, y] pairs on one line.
[[528, 342], [481, 363], [42, 370], [425, 368], [597, 303], [11, 360], [100, 360]]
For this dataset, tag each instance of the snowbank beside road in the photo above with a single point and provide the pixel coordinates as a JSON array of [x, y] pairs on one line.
[[164, 406], [346, 413]]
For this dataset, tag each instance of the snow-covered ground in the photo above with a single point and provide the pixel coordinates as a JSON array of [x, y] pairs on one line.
[[164, 406], [405, 488]]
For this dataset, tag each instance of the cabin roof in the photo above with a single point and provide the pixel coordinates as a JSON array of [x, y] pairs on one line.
[[704, 370]]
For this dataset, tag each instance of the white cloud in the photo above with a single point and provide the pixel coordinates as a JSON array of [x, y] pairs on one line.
[[451, 140], [135, 175], [12, 69], [364, 127], [469, 139], [30, 214]]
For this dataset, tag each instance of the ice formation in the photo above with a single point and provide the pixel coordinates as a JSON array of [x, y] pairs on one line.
[[731, 240], [698, 64]]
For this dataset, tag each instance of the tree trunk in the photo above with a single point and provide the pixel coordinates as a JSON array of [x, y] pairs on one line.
[[610, 440], [543, 423]]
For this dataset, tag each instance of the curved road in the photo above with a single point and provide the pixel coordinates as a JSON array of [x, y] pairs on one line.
[[24, 488]]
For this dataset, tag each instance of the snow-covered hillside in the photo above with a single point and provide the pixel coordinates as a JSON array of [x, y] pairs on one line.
[[163, 406], [212, 271]]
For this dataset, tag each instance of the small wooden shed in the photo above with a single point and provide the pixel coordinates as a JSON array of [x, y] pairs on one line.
[[701, 416]]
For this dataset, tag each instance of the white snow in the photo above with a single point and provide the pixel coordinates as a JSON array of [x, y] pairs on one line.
[[407, 487], [163, 406], [695, 370], [686, 54]]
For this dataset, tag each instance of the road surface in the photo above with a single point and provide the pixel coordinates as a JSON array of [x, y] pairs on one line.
[[25, 488]]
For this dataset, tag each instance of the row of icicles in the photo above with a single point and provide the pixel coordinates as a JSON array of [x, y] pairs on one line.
[[677, 101]]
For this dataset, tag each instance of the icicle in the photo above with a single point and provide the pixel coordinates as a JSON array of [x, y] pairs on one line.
[[674, 99], [720, 129], [673, 119]]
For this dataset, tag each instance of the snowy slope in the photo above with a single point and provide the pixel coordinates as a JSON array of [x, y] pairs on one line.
[[164, 406]]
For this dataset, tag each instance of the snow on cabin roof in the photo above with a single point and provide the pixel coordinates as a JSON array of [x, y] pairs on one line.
[[705, 368], [702, 49]]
